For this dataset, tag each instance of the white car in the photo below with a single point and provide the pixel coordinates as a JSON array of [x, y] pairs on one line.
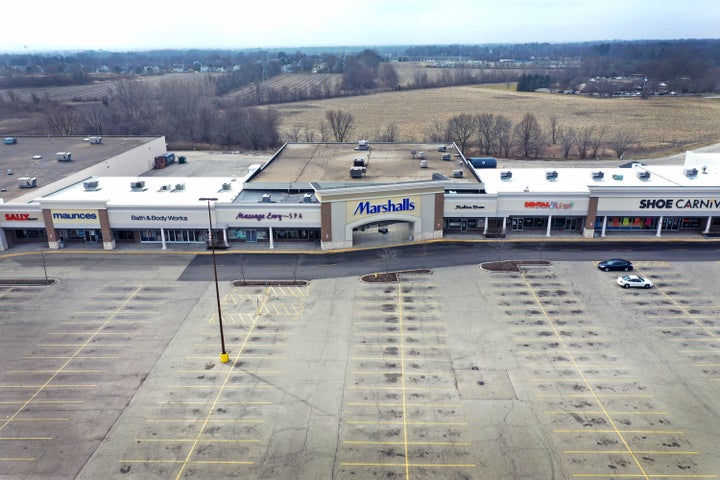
[[627, 281]]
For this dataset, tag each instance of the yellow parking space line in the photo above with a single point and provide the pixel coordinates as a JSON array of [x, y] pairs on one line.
[[77, 385], [609, 430], [410, 374], [370, 422], [568, 380], [202, 420], [40, 419], [201, 402], [35, 372], [226, 462], [362, 442], [71, 357], [395, 404], [409, 389], [596, 412], [553, 338], [637, 475], [398, 334], [243, 357], [598, 395], [395, 357], [422, 465], [25, 439], [102, 322], [81, 345], [227, 386], [190, 440], [624, 452]]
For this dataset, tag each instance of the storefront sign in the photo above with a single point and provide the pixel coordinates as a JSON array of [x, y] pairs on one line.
[[679, 204], [75, 217], [390, 206], [272, 216], [20, 217], [469, 207], [158, 218], [550, 205]]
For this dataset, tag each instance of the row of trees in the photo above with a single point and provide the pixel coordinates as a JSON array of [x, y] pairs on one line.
[[497, 135], [184, 111]]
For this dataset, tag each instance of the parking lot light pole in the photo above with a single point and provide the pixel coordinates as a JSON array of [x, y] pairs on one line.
[[224, 357]]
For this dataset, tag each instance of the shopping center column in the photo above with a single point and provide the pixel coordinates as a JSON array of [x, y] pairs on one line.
[[272, 244], [659, 227], [547, 233], [107, 233], [589, 230]]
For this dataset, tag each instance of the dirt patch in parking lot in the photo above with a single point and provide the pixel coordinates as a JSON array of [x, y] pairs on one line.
[[514, 266]]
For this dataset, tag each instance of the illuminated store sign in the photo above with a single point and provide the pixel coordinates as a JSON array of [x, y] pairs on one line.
[[550, 205], [269, 216], [680, 203], [367, 208], [20, 217]]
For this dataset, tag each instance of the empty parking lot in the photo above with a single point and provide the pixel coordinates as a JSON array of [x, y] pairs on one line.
[[457, 374]]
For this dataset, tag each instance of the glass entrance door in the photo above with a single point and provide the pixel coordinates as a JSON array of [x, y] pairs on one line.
[[251, 235]]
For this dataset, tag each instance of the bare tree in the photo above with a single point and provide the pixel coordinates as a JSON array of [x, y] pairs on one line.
[[437, 132], [566, 137], [620, 142], [583, 140], [503, 129], [461, 129], [62, 120], [295, 265], [341, 123], [554, 129], [596, 142], [529, 136], [486, 132], [390, 133]]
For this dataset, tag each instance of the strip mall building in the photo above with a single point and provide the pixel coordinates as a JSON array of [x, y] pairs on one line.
[[338, 195]]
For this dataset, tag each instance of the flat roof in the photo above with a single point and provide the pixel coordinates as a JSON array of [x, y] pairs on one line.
[[581, 180], [37, 157], [329, 164], [157, 191]]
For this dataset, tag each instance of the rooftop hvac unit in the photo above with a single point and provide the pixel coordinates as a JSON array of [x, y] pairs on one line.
[[138, 185], [307, 198], [357, 172], [457, 173], [266, 198], [644, 175], [63, 156], [442, 148], [10, 140], [423, 164], [359, 162], [617, 177], [363, 145], [505, 175], [180, 186], [226, 187], [91, 185], [27, 182], [598, 175], [446, 157], [420, 155], [691, 172], [95, 140], [551, 176], [166, 188]]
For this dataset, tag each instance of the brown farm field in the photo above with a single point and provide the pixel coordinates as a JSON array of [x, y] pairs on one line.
[[660, 124]]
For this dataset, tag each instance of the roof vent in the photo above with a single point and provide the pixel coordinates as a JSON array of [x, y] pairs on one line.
[[691, 172], [643, 175], [138, 186], [266, 198], [91, 185], [598, 175], [505, 175], [551, 176]]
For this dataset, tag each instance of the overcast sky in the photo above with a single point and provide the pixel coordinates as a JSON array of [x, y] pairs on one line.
[[149, 24]]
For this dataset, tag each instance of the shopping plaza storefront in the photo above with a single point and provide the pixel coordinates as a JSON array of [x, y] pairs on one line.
[[338, 218]]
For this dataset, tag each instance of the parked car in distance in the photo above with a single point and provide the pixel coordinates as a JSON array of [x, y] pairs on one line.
[[615, 264], [628, 281]]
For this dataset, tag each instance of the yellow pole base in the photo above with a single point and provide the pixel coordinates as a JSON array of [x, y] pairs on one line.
[[224, 358]]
